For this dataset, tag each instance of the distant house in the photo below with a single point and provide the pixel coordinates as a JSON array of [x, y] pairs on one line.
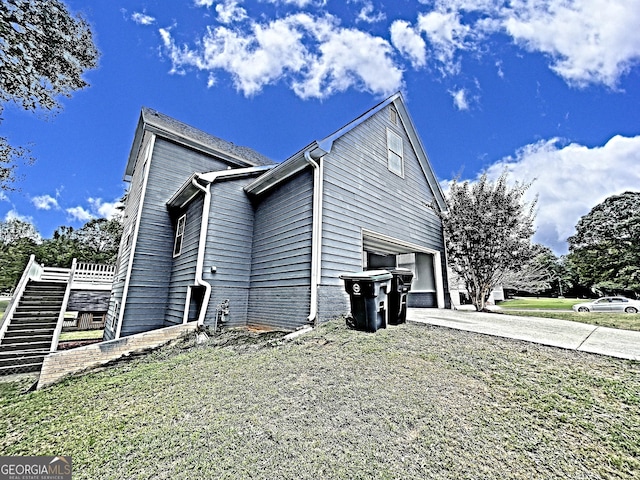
[[215, 229]]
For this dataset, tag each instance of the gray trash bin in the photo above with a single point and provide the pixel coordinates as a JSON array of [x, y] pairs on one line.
[[368, 296], [397, 296]]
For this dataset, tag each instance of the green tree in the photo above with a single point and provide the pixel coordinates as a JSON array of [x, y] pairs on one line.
[[535, 275], [60, 249], [99, 240], [488, 229], [18, 240], [44, 51], [15, 229], [605, 251]]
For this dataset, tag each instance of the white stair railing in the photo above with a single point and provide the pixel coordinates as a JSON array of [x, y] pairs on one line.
[[32, 271], [63, 309]]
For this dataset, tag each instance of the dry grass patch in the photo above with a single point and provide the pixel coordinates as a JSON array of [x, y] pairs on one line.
[[407, 402]]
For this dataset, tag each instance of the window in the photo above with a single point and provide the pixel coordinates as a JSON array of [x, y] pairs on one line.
[[395, 153], [177, 245], [393, 115]]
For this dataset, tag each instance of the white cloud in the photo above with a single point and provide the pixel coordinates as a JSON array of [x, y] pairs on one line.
[[229, 11], [79, 214], [296, 3], [367, 14], [102, 209], [409, 43], [45, 202], [589, 41], [142, 18], [313, 54], [572, 179], [585, 41], [14, 215], [446, 35], [460, 99], [349, 58]]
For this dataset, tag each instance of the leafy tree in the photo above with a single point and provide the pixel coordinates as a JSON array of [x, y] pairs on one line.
[[18, 240], [605, 251], [488, 230], [15, 229], [536, 275], [60, 249], [99, 240], [44, 51], [96, 242]]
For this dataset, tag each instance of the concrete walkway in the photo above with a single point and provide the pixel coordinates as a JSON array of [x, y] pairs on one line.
[[556, 333]]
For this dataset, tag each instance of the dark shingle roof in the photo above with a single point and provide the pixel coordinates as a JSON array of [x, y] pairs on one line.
[[188, 134]]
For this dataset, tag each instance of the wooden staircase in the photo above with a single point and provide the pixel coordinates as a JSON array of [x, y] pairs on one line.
[[28, 337]]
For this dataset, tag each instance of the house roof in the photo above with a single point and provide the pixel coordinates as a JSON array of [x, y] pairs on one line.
[[318, 148], [162, 125], [188, 191]]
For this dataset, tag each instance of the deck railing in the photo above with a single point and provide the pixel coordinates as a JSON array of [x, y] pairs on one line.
[[94, 273]]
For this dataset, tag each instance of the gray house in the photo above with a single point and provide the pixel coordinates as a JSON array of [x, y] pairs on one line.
[[214, 230]]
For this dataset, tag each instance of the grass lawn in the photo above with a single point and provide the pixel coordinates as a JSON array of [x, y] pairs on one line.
[[3, 306], [542, 303], [625, 321], [409, 402], [81, 335]]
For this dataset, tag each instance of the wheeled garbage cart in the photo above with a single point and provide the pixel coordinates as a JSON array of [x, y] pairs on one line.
[[368, 296], [397, 296]]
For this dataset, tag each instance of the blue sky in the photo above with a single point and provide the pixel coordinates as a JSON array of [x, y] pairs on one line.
[[549, 90]]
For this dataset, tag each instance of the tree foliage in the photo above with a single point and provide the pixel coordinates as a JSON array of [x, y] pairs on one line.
[[537, 274], [605, 251], [14, 229], [488, 229], [96, 242], [44, 51]]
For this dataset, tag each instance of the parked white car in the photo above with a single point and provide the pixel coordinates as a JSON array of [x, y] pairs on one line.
[[609, 304]]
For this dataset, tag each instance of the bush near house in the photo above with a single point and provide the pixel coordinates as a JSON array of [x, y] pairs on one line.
[[409, 402]]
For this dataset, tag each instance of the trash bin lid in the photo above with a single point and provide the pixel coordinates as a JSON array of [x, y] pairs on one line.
[[406, 273], [368, 275]]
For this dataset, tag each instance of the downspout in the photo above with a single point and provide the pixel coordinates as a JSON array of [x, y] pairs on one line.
[[316, 236], [201, 248]]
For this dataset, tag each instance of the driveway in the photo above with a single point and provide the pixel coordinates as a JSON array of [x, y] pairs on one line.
[[556, 333]]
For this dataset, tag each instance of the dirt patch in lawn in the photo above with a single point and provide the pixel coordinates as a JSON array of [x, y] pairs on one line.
[[408, 402]]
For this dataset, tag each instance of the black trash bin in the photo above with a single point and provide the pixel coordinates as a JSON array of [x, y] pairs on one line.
[[397, 296], [368, 295]]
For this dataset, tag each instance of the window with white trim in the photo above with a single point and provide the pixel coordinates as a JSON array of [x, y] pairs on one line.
[[177, 245], [395, 153]]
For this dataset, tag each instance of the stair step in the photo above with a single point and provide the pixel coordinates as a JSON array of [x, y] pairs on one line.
[[27, 347], [19, 354], [20, 313], [30, 322], [41, 299], [22, 360], [19, 331], [27, 339]]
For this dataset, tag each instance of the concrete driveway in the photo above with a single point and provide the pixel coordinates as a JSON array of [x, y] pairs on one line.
[[556, 333]]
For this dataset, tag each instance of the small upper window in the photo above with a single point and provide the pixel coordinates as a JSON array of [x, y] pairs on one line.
[[177, 245], [395, 153], [393, 115]]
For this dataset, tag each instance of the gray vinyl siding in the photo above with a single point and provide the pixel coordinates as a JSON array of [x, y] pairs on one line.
[[130, 216], [281, 260], [183, 271], [148, 290], [229, 244], [360, 192]]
